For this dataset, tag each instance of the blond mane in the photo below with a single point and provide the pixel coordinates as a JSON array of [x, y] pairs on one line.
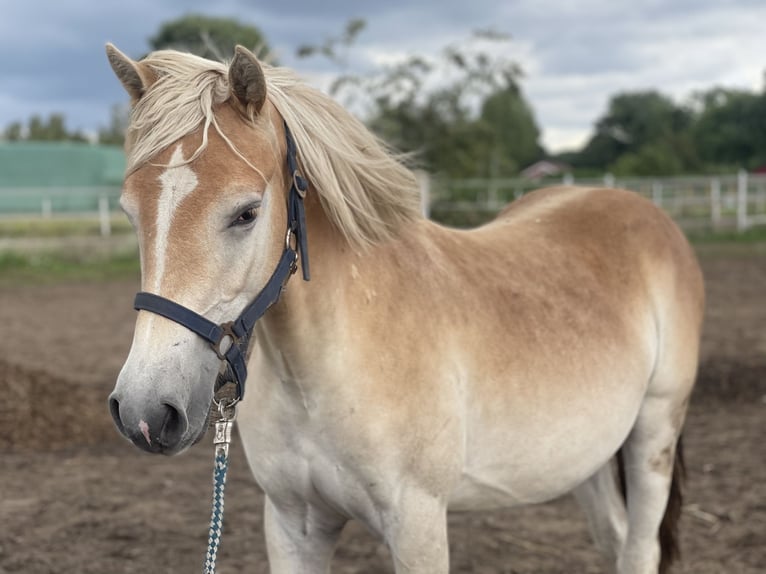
[[365, 189]]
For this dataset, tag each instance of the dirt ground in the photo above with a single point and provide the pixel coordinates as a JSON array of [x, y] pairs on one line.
[[75, 498]]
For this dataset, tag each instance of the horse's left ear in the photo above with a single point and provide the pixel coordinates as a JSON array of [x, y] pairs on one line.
[[246, 79]]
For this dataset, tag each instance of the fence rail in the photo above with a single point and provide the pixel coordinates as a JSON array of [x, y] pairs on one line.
[[711, 203], [725, 202], [63, 201]]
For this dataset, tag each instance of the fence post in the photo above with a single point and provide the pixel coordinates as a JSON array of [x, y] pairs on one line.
[[741, 200], [608, 180], [657, 193], [492, 194], [760, 197], [568, 179], [715, 203], [47, 207], [424, 182], [103, 216]]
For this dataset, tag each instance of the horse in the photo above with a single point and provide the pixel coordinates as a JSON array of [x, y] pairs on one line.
[[421, 369]]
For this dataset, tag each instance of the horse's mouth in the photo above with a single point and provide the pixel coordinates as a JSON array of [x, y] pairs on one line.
[[206, 425]]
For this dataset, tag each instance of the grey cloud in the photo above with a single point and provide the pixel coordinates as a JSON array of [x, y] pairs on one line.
[[52, 58]]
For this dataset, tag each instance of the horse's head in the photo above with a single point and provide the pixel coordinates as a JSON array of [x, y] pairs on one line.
[[208, 206], [208, 190]]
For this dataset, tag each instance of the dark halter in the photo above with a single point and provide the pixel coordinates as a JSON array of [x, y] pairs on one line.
[[239, 331]]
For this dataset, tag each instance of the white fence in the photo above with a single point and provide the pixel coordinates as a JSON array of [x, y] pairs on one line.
[[61, 202], [700, 203]]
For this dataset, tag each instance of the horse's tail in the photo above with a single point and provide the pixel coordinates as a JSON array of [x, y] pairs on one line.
[[669, 549]]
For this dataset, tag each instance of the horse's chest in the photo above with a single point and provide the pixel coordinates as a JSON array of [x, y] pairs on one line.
[[296, 462]]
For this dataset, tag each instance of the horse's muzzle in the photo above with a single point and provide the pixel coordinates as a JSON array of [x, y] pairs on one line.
[[157, 429]]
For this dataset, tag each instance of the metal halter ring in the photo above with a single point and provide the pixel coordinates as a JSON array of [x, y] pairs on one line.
[[289, 237], [227, 332], [299, 184], [225, 406]]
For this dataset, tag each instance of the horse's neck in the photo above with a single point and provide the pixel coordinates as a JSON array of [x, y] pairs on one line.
[[307, 310], [309, 314]]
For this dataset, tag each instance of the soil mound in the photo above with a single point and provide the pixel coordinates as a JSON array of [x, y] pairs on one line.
[[43, 412]]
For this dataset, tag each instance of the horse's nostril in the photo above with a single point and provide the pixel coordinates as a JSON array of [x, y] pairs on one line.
[[114, 409], [174, 426]]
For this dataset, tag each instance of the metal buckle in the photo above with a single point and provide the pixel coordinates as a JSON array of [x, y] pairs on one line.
[[299, 184], [227, 331], [289, 243]]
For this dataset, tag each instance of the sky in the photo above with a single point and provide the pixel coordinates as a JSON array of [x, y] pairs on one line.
[[575, 53]]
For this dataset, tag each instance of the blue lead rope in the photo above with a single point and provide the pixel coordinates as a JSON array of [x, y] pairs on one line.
[[221, 440]]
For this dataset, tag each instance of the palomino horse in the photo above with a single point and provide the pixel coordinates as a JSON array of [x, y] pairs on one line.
[[422, 369]]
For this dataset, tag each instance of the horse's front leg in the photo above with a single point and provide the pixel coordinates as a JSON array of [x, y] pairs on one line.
[[416, 532], [300, 539]]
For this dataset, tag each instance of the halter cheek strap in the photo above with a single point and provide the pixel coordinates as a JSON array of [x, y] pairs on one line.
[[237, 333]]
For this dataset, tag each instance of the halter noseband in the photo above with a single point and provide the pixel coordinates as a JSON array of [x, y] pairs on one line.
[[240, 330]]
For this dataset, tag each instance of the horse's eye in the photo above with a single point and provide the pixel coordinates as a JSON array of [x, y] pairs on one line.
[[247, 216]]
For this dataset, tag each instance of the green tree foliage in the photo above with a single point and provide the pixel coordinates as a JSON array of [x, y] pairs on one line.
[[14, 132], [444, 139], [651, 159], [646, 133], [335, 48], [114, 133], [513, 129], [213, 38], [461, 113], [38, 129], [731, 128], [442, 125], [638, 129]]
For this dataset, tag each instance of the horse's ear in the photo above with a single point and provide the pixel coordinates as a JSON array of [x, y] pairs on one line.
[[248, 84], [133, 78]]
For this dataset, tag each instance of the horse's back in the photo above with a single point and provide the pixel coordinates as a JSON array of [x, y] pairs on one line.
[[613, 218], [628, 242]]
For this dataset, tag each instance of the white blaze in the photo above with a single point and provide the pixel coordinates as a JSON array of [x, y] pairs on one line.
[[177, 183]]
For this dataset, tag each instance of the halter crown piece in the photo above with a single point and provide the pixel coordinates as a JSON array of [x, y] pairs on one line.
[[238, 332]]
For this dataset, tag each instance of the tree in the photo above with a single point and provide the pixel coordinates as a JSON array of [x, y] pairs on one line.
[[514, 130], [461, 112], [639, 120], [442, 123], [731, 128], [13, 132], [114, 133], [52, 130], [212, 38], [653, 159], [445, 140], [335, 48], [38, 129]]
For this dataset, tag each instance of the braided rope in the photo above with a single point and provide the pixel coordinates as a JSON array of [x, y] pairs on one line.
[[216, 518]]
